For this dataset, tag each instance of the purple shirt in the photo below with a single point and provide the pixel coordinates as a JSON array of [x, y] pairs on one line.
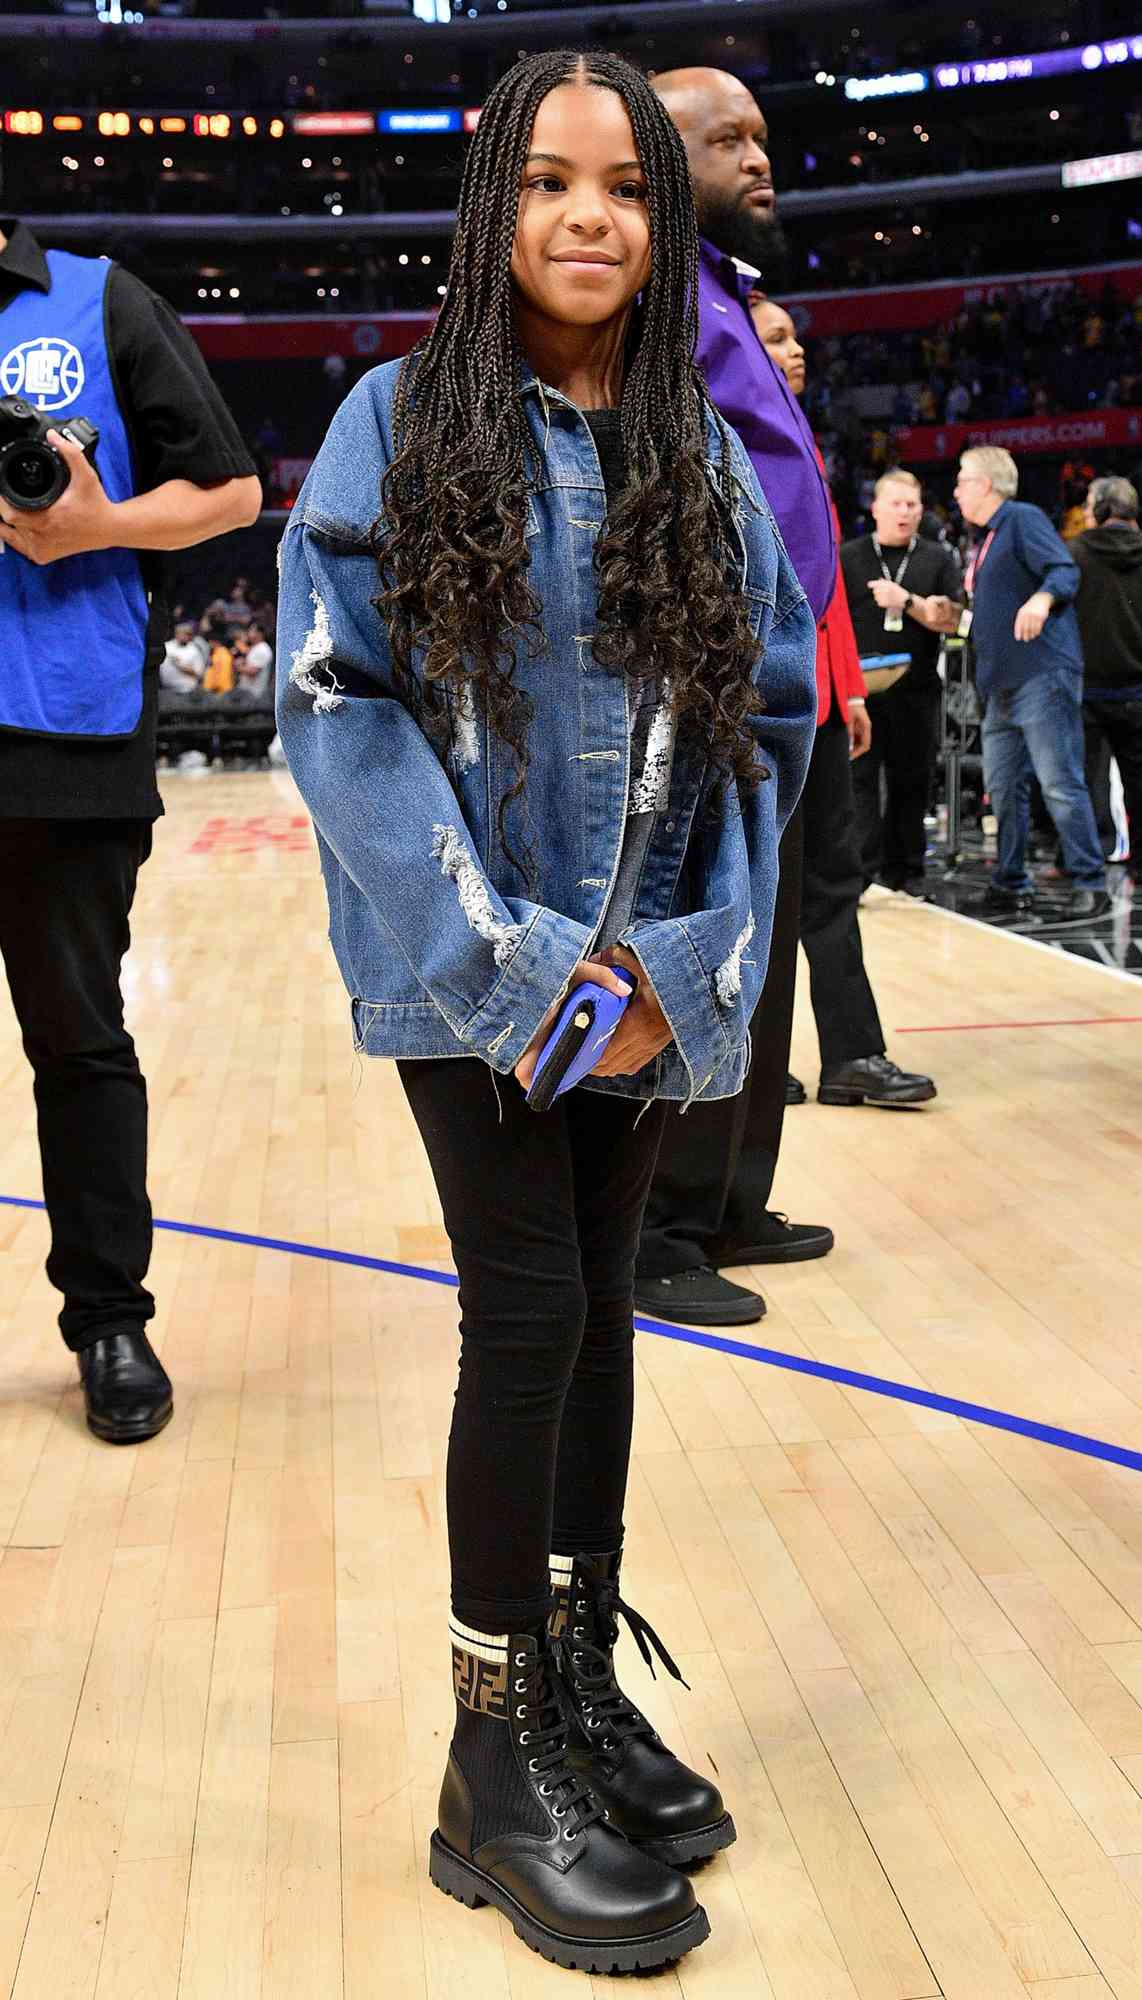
[[752, 394]]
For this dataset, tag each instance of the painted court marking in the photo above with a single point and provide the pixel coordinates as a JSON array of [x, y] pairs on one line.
[[772, 1357], [981, 1027]]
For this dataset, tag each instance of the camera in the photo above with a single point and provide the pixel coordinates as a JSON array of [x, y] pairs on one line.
[[33, 473]]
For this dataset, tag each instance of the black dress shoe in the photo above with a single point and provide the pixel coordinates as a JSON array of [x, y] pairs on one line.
[[127, 1389], [698, 1298], [795, 1092], [777, 1241], [873, 1080], [998, 902]]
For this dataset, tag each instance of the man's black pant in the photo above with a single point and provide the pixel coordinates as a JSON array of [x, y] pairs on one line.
[[66, 888], [848, 1025], [717, 1162], [904, 722], [1119, 725]]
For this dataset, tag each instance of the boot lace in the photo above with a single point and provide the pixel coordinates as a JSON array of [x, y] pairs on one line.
[[544, 1737], [603, 1704]]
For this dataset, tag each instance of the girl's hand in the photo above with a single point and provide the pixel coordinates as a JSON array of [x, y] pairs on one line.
[[594, 969], [644, 1030]]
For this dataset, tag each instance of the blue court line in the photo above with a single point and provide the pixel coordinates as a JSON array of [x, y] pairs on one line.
[[772, 1357]]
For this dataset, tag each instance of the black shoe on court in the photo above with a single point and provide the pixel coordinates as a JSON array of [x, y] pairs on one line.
[[126, 1388], [520, 1827], [701, 1297], [1083, 906], [995, 902], [874, 1080], [795, 1092], [664, 1807], [776, 1240]]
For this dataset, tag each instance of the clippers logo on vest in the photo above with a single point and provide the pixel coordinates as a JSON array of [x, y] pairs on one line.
[[48, 373], [73, 633]]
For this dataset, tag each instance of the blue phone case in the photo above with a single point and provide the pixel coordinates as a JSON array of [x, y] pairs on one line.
[[587, 1020]]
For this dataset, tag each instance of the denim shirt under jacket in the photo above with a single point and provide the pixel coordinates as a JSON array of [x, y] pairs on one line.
[[440, 951]]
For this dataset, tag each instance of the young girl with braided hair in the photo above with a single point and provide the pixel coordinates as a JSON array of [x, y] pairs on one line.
[[551, 704]]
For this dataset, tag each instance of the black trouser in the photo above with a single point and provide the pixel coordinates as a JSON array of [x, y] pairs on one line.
[[848, 1025], [1118, 724], [717, 1161], [65, 899], [543, 1214], [904, 723]]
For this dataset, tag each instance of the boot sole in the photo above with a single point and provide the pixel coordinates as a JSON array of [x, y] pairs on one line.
[[678, 1849], [112, 1433], [833, 1094], [471, 1886]]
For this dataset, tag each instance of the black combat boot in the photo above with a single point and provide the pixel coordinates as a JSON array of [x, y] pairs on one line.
[[666, 1809], [521, 1829]]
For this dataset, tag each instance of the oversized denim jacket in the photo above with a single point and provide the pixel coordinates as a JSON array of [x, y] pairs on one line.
[[441, 953]]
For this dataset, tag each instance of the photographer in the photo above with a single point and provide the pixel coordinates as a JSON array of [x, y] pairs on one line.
[[81, 625]]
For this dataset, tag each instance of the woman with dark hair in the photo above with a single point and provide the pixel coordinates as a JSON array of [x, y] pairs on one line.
[[551, 703]]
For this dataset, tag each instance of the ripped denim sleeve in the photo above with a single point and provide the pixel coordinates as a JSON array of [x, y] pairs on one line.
[[312, 669], [728, 977], [457, 864]]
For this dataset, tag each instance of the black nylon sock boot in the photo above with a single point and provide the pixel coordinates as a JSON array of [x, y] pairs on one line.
[[662, 1806], [521, 1829]]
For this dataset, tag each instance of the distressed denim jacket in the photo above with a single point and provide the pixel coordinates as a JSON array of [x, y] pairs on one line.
[[440, 951]]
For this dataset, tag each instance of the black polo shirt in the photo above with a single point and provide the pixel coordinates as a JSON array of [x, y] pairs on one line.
[[179, 428], [931, 571]]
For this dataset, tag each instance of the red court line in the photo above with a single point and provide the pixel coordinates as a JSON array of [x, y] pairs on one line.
[[979, 1027]]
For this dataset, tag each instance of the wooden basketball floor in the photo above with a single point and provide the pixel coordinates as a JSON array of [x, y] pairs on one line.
[[914, 1640]]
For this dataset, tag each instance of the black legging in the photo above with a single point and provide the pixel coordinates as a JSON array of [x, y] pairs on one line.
[[543, 1214]]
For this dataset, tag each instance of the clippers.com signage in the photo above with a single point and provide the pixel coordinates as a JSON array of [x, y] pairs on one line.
[[1074, 430]]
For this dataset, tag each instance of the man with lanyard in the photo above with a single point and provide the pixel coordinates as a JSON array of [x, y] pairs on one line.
[[1022, 583], [892, 578], [80, 644], [708, 1203]]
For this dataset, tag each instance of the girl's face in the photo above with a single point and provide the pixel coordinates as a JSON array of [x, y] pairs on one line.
[[582, 241], [777, 332]]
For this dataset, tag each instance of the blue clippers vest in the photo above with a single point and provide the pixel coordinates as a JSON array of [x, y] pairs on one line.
[[72, 633]]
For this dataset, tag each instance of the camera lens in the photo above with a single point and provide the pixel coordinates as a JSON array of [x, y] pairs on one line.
[[30, 473], [32, 476]]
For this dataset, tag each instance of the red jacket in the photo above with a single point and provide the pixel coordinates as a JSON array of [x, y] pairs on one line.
[[838, 661]]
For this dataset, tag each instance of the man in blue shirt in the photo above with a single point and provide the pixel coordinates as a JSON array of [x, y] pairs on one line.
[[1022, 582], [708, 1203]]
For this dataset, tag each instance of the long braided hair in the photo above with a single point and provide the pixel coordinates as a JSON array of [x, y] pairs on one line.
[[450, 542]]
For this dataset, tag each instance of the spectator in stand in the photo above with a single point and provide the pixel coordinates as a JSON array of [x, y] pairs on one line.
[[1022, 582], [182, 665], [958, 406], [238, 610], [219, 675], [903, 592], [1109, 607], [256, 662], [854, 1066]]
